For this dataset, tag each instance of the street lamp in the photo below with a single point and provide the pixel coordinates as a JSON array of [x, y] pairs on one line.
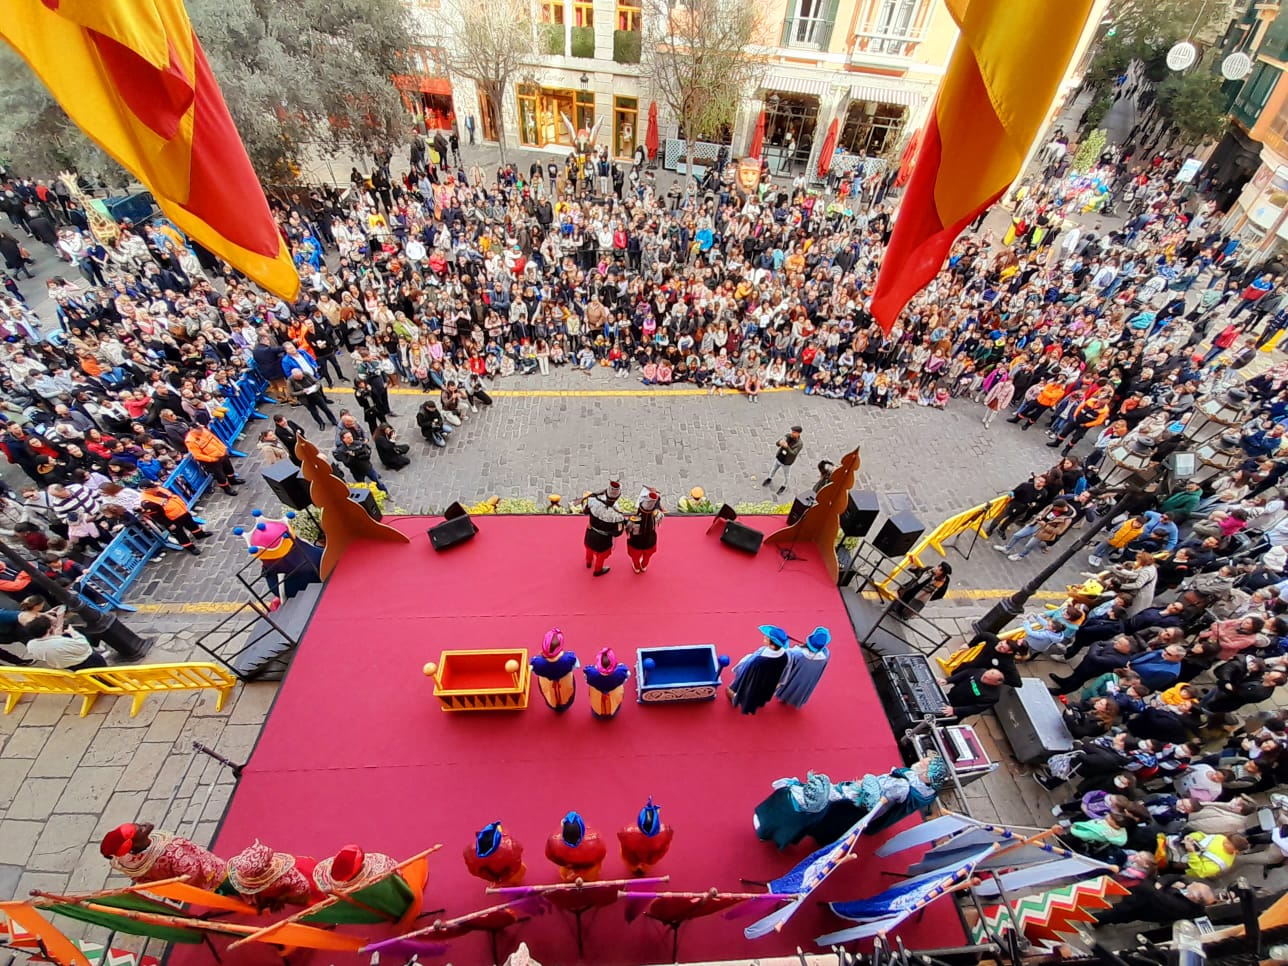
[[1226, 409], [584, 80]]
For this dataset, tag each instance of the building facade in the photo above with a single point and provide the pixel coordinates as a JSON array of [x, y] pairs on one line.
[[870, 65]]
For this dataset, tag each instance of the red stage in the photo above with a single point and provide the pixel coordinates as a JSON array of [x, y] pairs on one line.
[[357, 750]]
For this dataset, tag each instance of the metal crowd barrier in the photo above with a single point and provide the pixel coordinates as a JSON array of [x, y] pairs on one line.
[[108, 579]]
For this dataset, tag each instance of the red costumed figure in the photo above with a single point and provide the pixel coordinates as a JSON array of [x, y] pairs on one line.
[[641, 530], [146, 855], [270, 880], [604, 524], [351, 868], [646, 843], [578, 853], [495, 857]]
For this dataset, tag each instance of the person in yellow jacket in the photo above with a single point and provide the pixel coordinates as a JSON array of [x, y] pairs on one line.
[[1127, 531], [1205, 856], [167, 510], [211, 454]]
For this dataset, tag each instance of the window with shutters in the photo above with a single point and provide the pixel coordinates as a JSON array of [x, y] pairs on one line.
[[891, 27], [809, 23]]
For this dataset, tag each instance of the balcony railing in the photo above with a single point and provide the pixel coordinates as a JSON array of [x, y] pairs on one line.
[[808, 32], [888, 44]]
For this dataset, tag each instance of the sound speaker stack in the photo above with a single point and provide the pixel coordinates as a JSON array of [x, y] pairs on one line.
[[456, 528], [291, 489], [367, 500], [899, 534], [742, 537], [860, 514]]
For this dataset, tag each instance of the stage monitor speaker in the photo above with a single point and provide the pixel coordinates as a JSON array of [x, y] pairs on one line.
[[860, 514], [800, 505], [742, 537], [454, 511], [367, 500], [1033, 722], [291, 489], [449, 533], [726, 512], [899, 534]]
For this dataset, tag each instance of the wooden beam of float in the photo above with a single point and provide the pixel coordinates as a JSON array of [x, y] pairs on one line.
[[822, 522], [343, 521]]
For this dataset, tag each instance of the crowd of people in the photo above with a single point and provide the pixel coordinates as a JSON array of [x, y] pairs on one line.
[[446, 280]]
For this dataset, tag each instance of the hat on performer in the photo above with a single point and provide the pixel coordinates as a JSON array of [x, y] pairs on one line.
[[819, 638], [488, 840], [614, 490], [650, 501], [552, 643], [606, 659], [119, 841], [347, 863], [775, 634], [650, 820], [937, 772], [573, 829]]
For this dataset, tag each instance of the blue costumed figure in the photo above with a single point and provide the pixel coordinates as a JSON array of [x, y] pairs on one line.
[[287, 563], [554, 668], [805, 667], [606, 679], [756, 676]]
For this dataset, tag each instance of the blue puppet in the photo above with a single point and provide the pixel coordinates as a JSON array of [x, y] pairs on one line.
[[805, 667], [606, 679], [284, 558], [756, 676], [554, 668]]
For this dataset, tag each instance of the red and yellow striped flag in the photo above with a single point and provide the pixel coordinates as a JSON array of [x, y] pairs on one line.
[[993, 100], [132, 75]]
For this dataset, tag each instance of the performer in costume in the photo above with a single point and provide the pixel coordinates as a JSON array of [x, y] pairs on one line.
[[554, 668], [645, 843], [605, 524], [826, 811], [641, 529], [270, 880], [495, 857], [606, 679], [350, 868], [578, 853], [756, 676], [146, 855], [283, 557], [805, 667]]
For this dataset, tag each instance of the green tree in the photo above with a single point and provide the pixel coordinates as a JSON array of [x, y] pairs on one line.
[[1144, 30], [297, 75], [1194, 103]]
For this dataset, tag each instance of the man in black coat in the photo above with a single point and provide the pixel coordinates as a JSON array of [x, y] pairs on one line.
[[1240, 682], [1103, 657], [1163, 900], [973, 692], [1026, 499]]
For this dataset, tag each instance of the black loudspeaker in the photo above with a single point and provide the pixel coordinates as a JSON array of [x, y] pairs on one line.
[[800, 505], [899, 534], [449, 533], [860, 514], [365, 499], [742, 537], [284, 479], [454, 511], [724, 515]]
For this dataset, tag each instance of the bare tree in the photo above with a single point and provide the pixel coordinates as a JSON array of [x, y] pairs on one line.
[[488, 41], [699, 61]]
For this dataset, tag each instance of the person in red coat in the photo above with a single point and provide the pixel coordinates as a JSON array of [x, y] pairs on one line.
[[578, 853], [495, 857], [646, 843]]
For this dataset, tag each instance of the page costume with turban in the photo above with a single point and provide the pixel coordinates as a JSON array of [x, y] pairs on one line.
[[645, 843], [271, 880], [554, 669], [805, 667], [146, 855], [756, 676], [606, 679], [578, 853], [495, 857], [825, 811]]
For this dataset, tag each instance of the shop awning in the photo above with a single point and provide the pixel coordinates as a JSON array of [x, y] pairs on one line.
[[905, 96], [790, 84]]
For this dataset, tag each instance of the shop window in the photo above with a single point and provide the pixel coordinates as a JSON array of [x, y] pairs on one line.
[[628, 15]]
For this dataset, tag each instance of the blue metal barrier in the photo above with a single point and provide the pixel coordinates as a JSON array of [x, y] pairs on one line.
[[107, 580]]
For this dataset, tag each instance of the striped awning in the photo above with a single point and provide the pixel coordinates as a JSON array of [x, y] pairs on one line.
[[906, 96], [791, 84]]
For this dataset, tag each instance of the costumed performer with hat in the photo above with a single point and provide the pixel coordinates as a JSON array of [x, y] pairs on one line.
[[641, 530], [825, 811], [604, 526], [805, 667], [351, 868], [756, 676], [606, 679], [269, 880], [146, 855], [645, 843], [554, 668], [495, 857], [578, 853]]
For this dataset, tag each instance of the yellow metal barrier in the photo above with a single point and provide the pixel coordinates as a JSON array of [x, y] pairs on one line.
[[138, 682], [142, 680], [976, 518], [17, 681]]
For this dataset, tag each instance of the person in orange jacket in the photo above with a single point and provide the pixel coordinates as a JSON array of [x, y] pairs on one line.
[[1089, 414], [167, 510], [1028, 413], [211, 454]]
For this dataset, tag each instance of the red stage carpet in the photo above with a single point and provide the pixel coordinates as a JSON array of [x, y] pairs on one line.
[[357, 749]]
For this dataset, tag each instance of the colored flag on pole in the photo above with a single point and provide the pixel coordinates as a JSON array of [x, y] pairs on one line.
[[133, 77], [990, 107]]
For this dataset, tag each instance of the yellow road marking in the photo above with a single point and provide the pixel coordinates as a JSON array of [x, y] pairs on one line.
[[540, 393], [228, 606]]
